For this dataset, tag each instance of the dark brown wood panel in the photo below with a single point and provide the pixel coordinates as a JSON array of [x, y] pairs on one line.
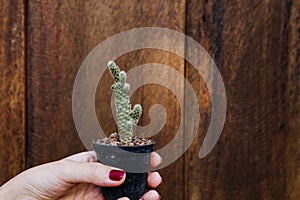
[[60, 35], [55, 51], [293, 100], [255, 45], [12, 89]]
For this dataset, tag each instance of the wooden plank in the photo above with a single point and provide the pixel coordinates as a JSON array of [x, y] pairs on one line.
[[52, 64], [60, 35], [252, 43], [12, 89], [293, 98]]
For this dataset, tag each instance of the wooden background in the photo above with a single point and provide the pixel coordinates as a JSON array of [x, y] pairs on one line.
[[255, 44]]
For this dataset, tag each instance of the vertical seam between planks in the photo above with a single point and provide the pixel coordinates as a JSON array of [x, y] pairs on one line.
[[26, 2]]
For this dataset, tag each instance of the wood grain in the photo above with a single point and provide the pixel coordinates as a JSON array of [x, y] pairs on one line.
[[254, 44], [60, 35], [53, 60], [12, 89], [292, 153]]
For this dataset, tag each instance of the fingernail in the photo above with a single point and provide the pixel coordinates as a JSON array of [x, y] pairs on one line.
[[116, 175]]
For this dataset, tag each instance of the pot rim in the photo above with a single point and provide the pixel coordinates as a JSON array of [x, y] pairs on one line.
[[122, 146]]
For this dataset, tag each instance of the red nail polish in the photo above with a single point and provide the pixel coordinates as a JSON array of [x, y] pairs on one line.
[[116, 175]]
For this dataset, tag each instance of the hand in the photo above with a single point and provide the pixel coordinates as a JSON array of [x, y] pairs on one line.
[[76, 177]]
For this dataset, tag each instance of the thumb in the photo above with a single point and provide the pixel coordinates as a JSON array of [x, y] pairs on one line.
[[89, 172]]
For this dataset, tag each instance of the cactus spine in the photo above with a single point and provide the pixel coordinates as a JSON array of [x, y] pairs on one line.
[[126, 118]]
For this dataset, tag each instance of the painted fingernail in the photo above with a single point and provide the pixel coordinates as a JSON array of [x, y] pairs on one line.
[[116, 175]]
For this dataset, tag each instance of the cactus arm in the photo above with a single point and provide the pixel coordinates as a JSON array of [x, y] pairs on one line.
[[114, 70], [136, 113]]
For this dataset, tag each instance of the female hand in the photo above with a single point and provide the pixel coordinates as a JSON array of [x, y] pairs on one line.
[[76, 177]]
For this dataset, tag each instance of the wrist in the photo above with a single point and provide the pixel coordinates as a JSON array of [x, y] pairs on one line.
[[9, 191], [5, 193]]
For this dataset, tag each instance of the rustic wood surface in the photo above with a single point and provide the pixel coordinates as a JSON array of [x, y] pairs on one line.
[[255, 44], [60, 35], [55, 52], [12, 89], [292, 42]]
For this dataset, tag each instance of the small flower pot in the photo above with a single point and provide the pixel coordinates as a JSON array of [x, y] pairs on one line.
[[134, 160]]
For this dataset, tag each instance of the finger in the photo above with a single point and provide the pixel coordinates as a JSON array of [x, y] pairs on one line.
[[87, 156], [154, 179], [94, 173], [155, 159], [124, 198], [151, 195]]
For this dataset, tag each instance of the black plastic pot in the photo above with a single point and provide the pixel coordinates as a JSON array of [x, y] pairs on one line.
[[134, 160]]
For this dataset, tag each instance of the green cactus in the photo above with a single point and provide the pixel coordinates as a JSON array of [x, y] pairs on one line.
[[126, 118]]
